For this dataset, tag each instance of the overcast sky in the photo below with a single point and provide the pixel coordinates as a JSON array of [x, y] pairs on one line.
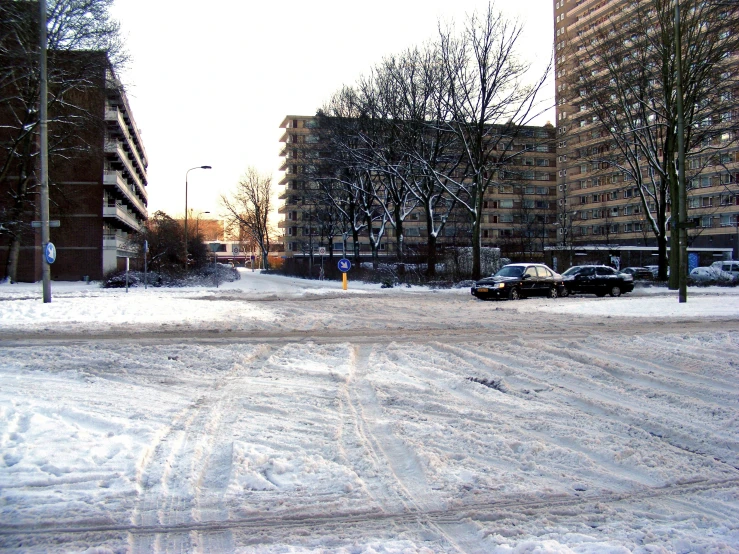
[[210, 82]]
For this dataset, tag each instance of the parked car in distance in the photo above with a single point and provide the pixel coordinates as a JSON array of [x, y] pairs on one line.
[[597, 279], [708, 274], [638, 272], [515, 281], [728, 266], [655, 270]]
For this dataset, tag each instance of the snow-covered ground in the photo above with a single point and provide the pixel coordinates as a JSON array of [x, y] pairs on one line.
[[284, 415]]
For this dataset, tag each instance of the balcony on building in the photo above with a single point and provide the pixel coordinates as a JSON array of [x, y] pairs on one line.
[[115, 147], [114, 178], [115, 211]]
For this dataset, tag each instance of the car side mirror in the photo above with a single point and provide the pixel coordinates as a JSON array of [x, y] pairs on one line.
[[526, 276]]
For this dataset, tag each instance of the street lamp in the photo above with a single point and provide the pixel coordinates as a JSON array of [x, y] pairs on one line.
[[186, 173], [197, 222]]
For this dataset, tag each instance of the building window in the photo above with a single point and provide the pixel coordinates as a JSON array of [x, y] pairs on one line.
[[729, 220]]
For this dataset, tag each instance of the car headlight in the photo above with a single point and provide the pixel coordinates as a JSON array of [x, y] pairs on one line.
[[499, 286]]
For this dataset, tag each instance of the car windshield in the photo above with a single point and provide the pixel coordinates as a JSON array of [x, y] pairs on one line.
[[509, 271], [573, 270]]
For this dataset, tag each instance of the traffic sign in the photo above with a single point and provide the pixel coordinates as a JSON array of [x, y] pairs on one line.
[[344, 265], [321, 250], [235, 249], [50, 253]]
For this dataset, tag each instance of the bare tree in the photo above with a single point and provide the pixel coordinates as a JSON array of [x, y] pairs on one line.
[[489, 101], [248, 208], [349, 171], [426, 150], [626, 79], [83, 43]]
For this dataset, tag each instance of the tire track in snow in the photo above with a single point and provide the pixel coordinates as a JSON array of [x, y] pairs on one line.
[[468, 363], [382, 484], [518, 325], [171, 477], [531, 505], [679, 431], [388, 452], [601, 400]]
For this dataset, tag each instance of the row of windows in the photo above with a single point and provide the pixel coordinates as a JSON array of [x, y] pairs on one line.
[[711, 201], [704, 222]]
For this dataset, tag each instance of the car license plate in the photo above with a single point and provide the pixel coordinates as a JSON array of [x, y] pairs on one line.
[[482, 289]]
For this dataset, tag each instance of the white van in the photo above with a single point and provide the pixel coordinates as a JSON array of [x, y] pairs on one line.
[[729, 266]]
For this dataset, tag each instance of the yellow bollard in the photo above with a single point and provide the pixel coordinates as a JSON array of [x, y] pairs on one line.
[[343, 281]]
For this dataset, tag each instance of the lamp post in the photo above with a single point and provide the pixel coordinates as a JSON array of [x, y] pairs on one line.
[[186, 173], [197, 223]]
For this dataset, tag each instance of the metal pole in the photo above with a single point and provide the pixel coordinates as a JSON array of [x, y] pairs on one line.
[[146, 252], [682, 189], [44, 147], [188, 171]]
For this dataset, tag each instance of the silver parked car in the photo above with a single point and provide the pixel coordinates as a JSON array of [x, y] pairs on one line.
[[708, 274]]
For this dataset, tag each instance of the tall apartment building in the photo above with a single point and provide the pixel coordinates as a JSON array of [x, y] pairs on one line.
[[518, 216], [98, 183], [598, 203]]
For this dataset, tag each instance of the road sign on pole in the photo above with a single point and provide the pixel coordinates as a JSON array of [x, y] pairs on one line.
[[50, 253], [344, 265]]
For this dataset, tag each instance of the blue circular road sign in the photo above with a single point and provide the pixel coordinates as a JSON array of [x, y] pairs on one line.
[[50, 253], [344, 265]]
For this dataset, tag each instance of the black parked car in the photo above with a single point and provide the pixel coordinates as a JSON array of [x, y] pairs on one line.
[[597, 279], [638, 272], [515, 281]]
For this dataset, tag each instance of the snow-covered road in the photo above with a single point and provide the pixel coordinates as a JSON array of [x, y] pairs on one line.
[[278, 415]]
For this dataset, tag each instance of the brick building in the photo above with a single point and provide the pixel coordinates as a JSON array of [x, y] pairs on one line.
[[97, 177]]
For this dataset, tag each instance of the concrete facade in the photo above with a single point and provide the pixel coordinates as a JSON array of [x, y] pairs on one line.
[[506, 209], [596, 202]]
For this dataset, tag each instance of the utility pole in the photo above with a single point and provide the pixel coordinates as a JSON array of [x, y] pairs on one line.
[[682, 219], [44, 157]]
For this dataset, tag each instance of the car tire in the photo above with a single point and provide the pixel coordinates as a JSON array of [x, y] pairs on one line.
[[553, 293], [615, 291], [565, 292], [514, 294]]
